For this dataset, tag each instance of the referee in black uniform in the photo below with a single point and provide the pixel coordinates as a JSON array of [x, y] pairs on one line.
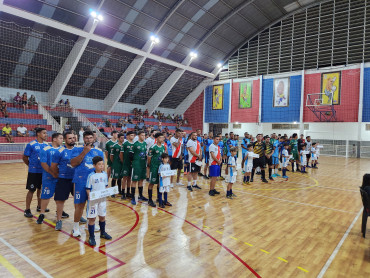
[[259, 148]]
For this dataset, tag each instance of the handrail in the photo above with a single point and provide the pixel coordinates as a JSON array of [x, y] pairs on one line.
[[49, 118]]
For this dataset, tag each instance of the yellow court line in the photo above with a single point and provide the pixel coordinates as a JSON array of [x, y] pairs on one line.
[[264, 251], [219, 232], [305, 270], [234, 238], [248, 244], [48, 221], [206, 227], [194, 222], [281, 259], [15, 272]]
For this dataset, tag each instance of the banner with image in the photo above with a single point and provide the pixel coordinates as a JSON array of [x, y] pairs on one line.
[[245, 95], [281, 92], [218, 97], [330, 88]]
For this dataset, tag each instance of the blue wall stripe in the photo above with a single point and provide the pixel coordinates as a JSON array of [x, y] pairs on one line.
[[217, 116]]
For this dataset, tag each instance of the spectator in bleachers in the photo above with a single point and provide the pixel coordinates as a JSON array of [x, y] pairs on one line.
[[120, 122], [67, 103], [67, 127], [146, 113], [160, 126], [166, 130], [4, 108], [136, 128], [108, 123], [37, 127], [7, 133], [24, 102], [32, 100], [17, 99], [124, 128], [96, 141], [22, 131]]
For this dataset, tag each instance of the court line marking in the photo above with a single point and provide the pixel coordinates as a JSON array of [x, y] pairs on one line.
[[13, 270], [24, 257], [281, 259], [336, 250]]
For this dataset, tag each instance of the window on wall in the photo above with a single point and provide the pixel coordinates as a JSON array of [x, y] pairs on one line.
[[329, 34]]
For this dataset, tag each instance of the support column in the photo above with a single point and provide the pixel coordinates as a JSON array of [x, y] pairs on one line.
[[360, 107], [301, 124], [260, 127]]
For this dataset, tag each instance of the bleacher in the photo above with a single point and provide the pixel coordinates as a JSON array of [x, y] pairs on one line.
[[99, 118]]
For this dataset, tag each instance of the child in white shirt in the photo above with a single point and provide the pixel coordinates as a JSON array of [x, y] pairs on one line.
[[231, 178], [313, 156], [285, 159], [248, 164], [164, 181]]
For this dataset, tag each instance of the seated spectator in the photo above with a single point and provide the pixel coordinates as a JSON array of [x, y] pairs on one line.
[[124, 128], [108, 123], [166, 129], [67, 127], [36, 127], [61, 102], [17, 99], [67, 103], [169, 117], [7, 132], [4, 108], [32, 100], [129, 120], [22, 131], [146, 113], [136, 128], [24, 102]]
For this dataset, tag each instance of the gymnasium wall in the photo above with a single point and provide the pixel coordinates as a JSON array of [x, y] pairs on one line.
[[245, 115], [281, 114], [366, 97], [219, 115], [194, 114]]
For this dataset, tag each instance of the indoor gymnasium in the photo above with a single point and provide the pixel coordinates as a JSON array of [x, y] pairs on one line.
[[185, 138]]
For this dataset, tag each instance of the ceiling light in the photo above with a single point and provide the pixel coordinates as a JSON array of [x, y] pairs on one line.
[[93, 14], [154, 39], [100, 17], [219, 65], [193, 54]]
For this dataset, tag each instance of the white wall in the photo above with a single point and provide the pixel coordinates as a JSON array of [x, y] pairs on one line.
[[78, 102]]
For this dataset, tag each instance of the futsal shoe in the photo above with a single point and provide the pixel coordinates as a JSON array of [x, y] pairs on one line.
[[83, 220], [285, 177], [251, 179], [28, 214], [58, 225], [76, 233], [92, 241], [189, 188], [105, 236], [211, 193], [168, 204], [96, 228], [216, 192], [277, 175], [161, 205], [200, 174], [123, 197], [222, 178], [180, 184], [264, 180], [206, 177], [40, 219], [65, 215], [142, 198], [196, 186], [38, 209], [308, 166], [171, 185], [229, 196], [151, 203], [133, 202], [271, 179], [233, 195]]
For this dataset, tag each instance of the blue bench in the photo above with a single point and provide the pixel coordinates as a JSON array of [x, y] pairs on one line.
[[19, 110], [16, 121]]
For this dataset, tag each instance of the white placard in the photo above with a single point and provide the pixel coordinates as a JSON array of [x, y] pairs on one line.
[[168, 173], [198, 162], [255, 155], [94, 195], [320, 147], [305, 152]]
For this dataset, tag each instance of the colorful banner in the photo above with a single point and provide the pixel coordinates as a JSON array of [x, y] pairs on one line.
[[330, 88], [281, 92], [218, 97], [245, 95]]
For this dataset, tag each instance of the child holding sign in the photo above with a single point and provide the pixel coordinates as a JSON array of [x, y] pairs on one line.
[[97, 180], [303, 158], [164, 180], [248, 163], [285, 158]]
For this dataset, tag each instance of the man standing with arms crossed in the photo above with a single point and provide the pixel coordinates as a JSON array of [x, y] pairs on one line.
[[81, 160], [177, 149], [195, 155], [214, 169], [259, 148]]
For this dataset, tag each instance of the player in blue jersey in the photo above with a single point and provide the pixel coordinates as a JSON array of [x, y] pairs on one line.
[[221, 145], [34, 178], [200, 140], [245, 142], [275, 156], [186, 154], [61, 164], [231, 142], [49, 177], [207, 141], [81, 160]]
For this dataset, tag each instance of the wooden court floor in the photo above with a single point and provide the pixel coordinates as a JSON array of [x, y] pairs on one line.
[[281, 229]]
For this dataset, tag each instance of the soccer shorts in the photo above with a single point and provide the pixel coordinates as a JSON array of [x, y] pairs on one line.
[[116, 172], [231, 179], [248, 168], [206, 157], [138, 173], [34, 181], [308, 156], [295, 156], [176, 163], [153, 175], [313, 157], [80, 194], [285, 163], [275, 160], [96, 208], [214, 170], [109, 163], [269, 161], [259, 162], [194, 168], [48, 188], [126, 170], [164, 188], [63, 188]]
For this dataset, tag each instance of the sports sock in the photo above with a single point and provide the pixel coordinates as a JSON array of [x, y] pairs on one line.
[[227, 193], [165, 197], [270, 172], [157, 189], [140, 191], [293, 166], [119, 183], [150, 194], [160, 198], [113, 182], [76, 225], [102, 227], [194, 182], [253, 170], [91, 230], [231, 191], [244, 179], [133, 192], [128, 189], [263, 173], [284, 172], [247, 179], [189, 183]]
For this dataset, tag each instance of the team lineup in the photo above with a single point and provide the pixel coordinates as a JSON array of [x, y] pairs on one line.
[[59, 170]]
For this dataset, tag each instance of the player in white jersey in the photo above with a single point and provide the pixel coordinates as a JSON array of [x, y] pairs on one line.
[[248, 163], [303, 153], [313, 155], [177, 154], [96, 181], [308, 148], [231, 177], [164, 180], [285, 159], [215, 160]]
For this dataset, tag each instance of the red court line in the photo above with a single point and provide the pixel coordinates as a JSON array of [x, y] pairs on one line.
[[120, 263], [215, 240]]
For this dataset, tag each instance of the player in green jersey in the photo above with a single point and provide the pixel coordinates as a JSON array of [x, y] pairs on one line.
[[108, 146], [294, 150], [116, 168], [154, 161], [126, 163], [138, 155]]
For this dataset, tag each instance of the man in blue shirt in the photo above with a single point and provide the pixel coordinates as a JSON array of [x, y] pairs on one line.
[[231, 143], [34, 178], [200, 140], [81, 160], [61, 164], [49, 178], [245, 142], [207, 141], [275, 156]]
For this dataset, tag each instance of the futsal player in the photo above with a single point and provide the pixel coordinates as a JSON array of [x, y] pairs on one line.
[[285, 159], [303, 158], [126, 164], [232, 173], [61, 164], [268, 153], [215, 160], [200, 140], [248, 164], [294, 150], [164, 181], [308, 148], [34, 178], [108, 147], [222, 148], [313, 155], [177, 150], [116, 163], [150, 141], [49, 178], [138, 157], [207, 141], [195, 158], [81, 160], [154, 161], [245, 143], [259, 148], [275, 157]]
